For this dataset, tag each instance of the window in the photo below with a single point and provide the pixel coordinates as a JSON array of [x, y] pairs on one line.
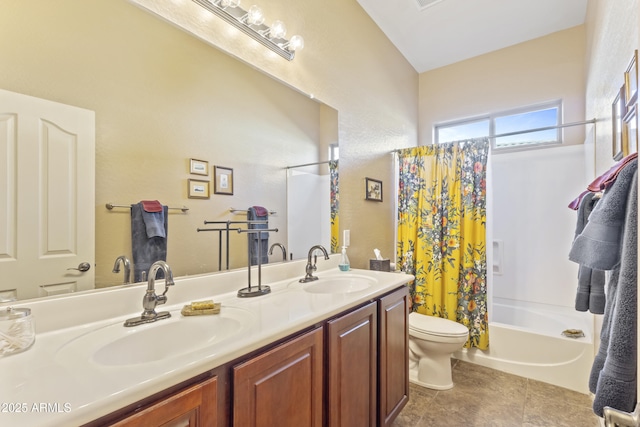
[[334, 152], [511, 125]]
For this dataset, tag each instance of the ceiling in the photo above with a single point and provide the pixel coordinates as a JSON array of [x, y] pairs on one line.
[[435, 33]]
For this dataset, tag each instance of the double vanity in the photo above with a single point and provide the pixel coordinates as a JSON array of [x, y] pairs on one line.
[[328, 352]]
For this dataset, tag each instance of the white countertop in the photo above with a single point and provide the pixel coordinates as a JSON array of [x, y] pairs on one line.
[[59, 382]]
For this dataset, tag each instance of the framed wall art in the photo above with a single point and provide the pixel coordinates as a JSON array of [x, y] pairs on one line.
[[373, 189], [199, 167], [631, 131], [618, 110], [222, 180], [631, 80], [198, 189]]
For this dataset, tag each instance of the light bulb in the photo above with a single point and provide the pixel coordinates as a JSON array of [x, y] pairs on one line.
[[255, 16], [229, 3], [278, 30], [296, 43]]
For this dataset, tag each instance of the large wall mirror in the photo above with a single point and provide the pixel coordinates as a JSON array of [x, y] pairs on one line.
[[162, 97]]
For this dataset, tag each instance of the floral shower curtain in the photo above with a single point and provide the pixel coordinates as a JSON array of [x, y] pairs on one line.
[[441, 232], [335, 204]]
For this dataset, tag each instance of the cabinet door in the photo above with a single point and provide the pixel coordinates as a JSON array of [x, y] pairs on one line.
[[281, 387], [394, 355], [352, 366], [193, 407]]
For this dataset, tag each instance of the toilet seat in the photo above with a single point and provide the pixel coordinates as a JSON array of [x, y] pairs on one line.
[[426, 327]]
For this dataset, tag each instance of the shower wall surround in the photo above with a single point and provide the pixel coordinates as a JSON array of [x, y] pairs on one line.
[[531, 191]]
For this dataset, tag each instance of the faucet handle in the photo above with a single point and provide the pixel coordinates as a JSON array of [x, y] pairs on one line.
[[161, 299]]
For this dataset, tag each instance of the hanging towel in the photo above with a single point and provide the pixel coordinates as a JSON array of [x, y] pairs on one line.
[[616, 384], [575, 203], [590, 295], [604, 181], [153, 217], [258, 242], [609, 242], [599, 244], [147, 249]]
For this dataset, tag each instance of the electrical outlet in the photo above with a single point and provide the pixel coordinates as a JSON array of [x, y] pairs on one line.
[[346, 238]]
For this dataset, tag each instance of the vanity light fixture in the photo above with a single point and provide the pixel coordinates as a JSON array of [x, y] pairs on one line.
[[251, 23]]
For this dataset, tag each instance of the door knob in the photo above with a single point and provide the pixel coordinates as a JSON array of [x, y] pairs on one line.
[[83, 266]]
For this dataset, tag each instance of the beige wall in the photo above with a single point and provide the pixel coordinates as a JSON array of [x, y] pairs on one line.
[[612, 32], [156, 88], [541, 70]]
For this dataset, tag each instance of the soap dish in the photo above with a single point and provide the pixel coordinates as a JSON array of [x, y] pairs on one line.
[[573, 333]]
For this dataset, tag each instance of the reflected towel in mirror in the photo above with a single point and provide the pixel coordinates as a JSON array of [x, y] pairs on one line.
[[258, 242], [145, 249]]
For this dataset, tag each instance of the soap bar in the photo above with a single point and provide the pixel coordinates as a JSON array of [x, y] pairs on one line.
[[202, 305], [188, 310]]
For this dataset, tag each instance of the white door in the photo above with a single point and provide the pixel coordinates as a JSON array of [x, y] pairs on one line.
[[47, 156]]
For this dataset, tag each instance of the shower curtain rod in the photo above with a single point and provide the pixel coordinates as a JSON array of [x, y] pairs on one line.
[[309, 164], [564, 125]]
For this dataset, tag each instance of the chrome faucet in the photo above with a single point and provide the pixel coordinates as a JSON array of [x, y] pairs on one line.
[[282, 248], [311, 267], [151, 300], [127, 268]]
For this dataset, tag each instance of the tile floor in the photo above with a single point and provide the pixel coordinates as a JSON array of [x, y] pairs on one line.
[[484, 397]]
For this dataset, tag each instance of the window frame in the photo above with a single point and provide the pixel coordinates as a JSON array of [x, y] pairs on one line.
[[491, 118]]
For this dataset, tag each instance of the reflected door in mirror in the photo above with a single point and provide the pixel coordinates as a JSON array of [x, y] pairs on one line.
[[47, 153]]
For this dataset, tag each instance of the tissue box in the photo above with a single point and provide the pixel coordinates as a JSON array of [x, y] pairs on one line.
[[380, 264]]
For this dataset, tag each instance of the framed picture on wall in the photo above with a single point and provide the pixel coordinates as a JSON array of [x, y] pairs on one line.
[[222, 180], [631, 130], [618, 110], [199, 167], [198, 189], [631, 80], [373, 189]]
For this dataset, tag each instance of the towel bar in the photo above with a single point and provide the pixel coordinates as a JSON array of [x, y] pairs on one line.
[[111, 206], [244, 211]]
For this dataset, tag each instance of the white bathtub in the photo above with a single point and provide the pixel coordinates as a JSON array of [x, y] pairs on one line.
[[526, 340]]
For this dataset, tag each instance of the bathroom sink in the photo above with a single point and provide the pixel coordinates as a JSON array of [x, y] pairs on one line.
[[339, 284], [115, 345]]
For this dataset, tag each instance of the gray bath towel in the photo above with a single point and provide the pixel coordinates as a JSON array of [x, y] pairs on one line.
[[613, 375], [146, 250], [601, 356], [598, 246], [154, 223], [258, 242], [590, 295]]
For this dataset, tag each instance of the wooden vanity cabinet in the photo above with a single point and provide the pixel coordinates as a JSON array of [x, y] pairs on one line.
[[282, 386], [393, 376], [350, 370], [368, 363], [192, 407], [352, 345]]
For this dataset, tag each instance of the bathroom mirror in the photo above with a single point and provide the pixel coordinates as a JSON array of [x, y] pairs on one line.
[[162, 97]]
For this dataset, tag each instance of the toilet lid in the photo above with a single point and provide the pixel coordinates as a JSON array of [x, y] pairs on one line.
[[436, 325]]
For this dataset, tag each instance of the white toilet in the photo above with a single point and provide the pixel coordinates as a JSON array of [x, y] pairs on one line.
[[432, 340]]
